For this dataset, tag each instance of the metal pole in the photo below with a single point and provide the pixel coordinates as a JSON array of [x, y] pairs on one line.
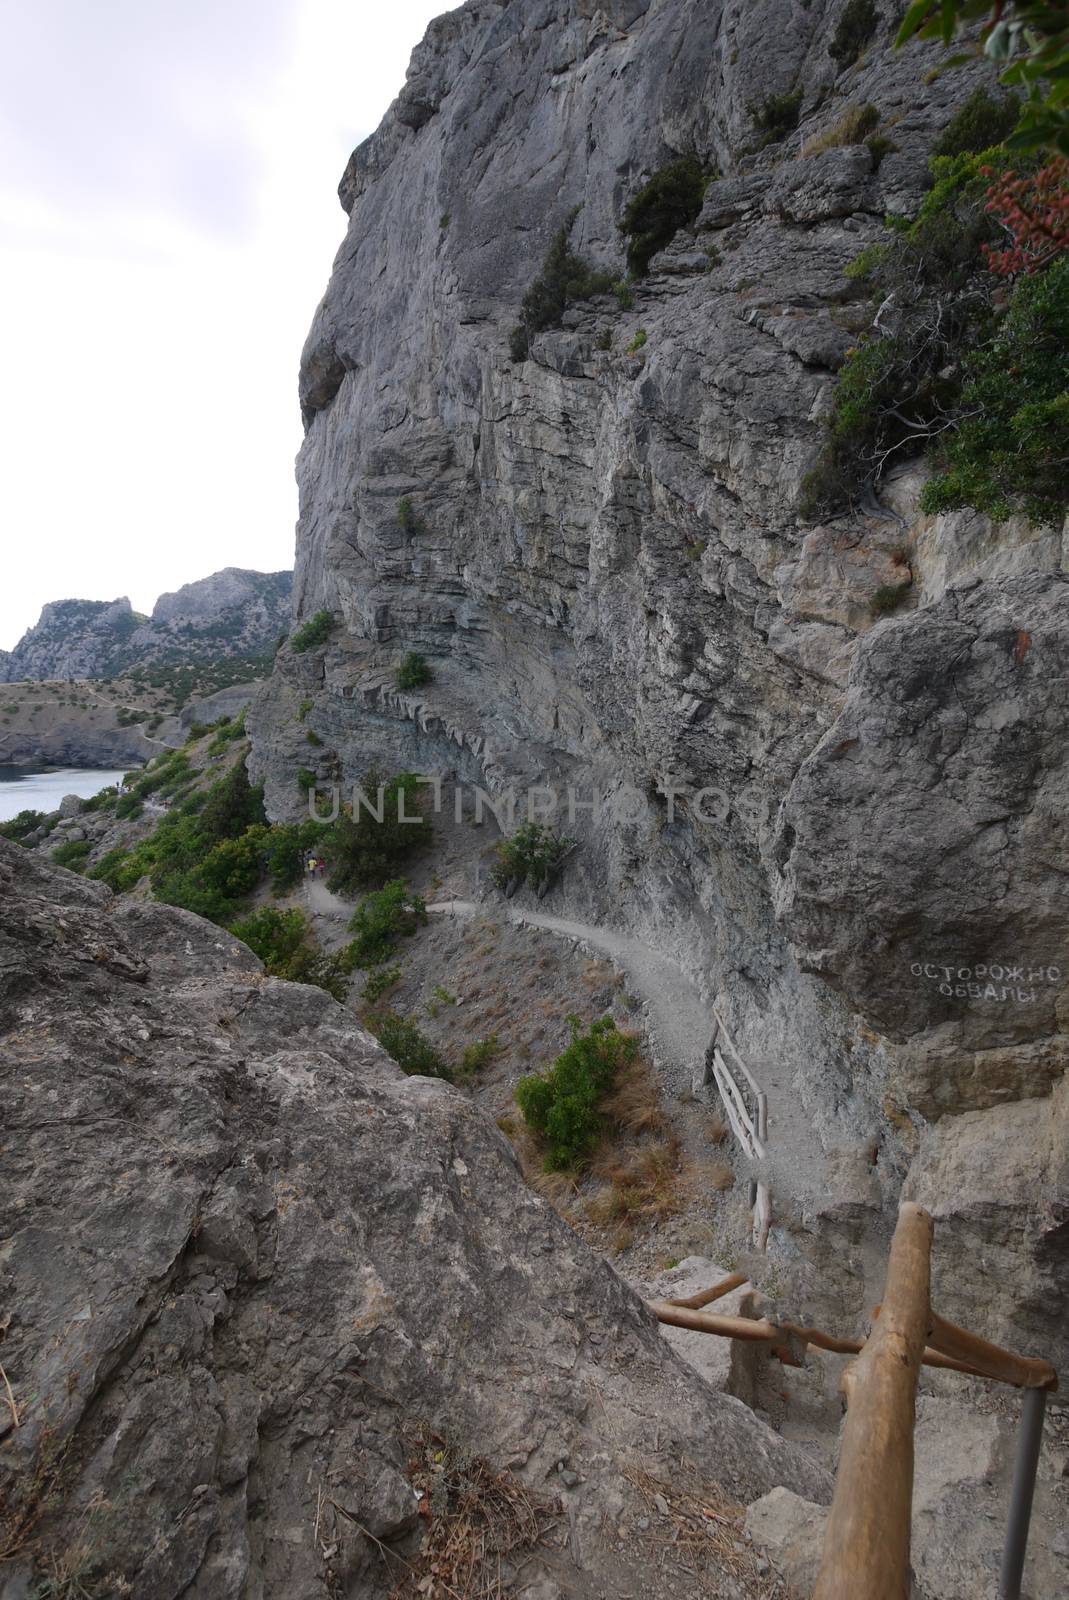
[[1029, 1438]]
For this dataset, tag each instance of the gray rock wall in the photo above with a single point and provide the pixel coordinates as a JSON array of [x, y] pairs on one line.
[[609, 576], [246, 1260]]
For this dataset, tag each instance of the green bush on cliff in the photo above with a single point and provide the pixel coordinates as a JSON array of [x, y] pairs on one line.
[[413, 672], [669, 201], [561, 1106], [286, 945], [414, 1053], [71, 854], [531, 855], [983, 121], [19, 826], [385, 917], [564, 279], [366, 849], [314, 633], [857, 23], [1010, 449], [977, 384]]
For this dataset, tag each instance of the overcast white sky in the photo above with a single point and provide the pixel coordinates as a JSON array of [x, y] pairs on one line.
[[168, 218]]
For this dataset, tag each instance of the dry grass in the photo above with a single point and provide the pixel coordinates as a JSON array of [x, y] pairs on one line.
[[853, 127], [702, 1535], [713, 1175], [715, 1128], [640, 1185], [476, 1519], [634, 1106]]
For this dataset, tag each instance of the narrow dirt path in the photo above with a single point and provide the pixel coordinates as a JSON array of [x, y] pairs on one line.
[[679, 1023]]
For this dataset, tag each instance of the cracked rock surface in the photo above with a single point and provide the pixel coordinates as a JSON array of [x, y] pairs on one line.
[[240, 1252], [604, 564]]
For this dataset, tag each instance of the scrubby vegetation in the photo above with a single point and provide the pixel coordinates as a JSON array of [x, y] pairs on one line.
[[564, 279], [382, 920], [857, 23], [380, 980], [776, 116], [366, 849], [562, 1106], [414, 1053], [853, 127], [529, 856], [407, 517], [478, 1055], [951, 365], [413, 671], [1010, 449], [983, 121], [25, 823], [888, 598], [669, 201], [288, 949], [314, 633], [72, 854], [1030, 41]]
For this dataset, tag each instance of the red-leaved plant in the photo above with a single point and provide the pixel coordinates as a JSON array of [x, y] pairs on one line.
[[1034, 210]]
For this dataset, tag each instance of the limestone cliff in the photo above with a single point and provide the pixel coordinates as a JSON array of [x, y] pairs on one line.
[[232, 613], [600, 554], [267, 1302]]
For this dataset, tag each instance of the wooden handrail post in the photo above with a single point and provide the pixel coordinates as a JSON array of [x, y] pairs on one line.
[[866, 1546]]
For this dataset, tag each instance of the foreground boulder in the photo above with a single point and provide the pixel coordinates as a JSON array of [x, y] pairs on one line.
[[270, 1309]]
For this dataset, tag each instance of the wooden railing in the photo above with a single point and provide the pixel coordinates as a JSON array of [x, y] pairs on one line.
[[867, 1542], [749, 1124]]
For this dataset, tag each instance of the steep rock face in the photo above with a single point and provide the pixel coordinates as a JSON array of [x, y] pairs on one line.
[[232, 613], [603, 561], [244, 1257]]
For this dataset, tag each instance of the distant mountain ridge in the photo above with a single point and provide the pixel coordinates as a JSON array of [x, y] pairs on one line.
[[233, 613]]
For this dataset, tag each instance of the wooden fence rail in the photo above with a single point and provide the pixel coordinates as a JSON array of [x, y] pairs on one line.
[[866, 1545]]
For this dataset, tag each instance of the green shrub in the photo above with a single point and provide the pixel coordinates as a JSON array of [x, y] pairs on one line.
[[478, 1055], [284, 850], [365, 852], [1010, 449], [103, 800], [407, 517], [18, 827], [857, 24], [128, 805], [637, 342], [565, 278], [530, 855], [379, 982], [313, 633], [414, 1053], [413, 672], [983, 121], [118, 870], [233, 804], [306, 779], [384, 918], [893, 393], [312, 737], [561, 1105], [776, 116], [72, 854], [669, 201], [888, 598], [303, 709], [287, 947]]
